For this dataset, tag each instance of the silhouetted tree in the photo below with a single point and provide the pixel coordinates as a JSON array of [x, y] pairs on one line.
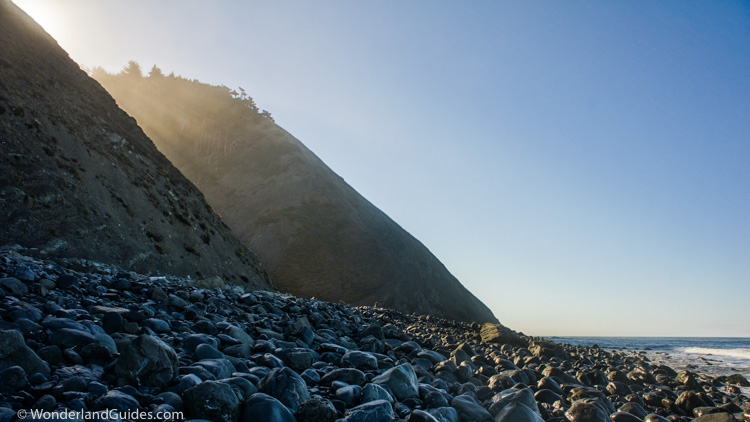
[[98, 72], [249, 103], [132, 69], [155, 72], [266, 115]]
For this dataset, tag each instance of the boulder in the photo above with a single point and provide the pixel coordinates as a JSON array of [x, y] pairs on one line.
[[67, 338], [653, 417], [547, 349], [402, 380], [239, 334], [262, 407], [14, 377], [517, 412], [116, 400], [373, 392], [634, 409], [689, 401], [361, 360], [588, 410], [13, 286], [738, 379], [688, 379], [146, 360], [214, 401], [219, 368], [15, 352], [469, 409], [285, 385], [500, 334], [625, 417], [445, 414], [716, 417], [421, 416], [374, 411], [522, 396], [316, 410], [347, 375]]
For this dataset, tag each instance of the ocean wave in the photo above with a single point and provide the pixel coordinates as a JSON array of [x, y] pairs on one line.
[[739, 353]]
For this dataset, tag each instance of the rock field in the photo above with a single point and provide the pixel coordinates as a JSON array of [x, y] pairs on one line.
[[81, 336]]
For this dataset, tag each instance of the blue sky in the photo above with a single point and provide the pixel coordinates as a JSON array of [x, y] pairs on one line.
[[582, 167]]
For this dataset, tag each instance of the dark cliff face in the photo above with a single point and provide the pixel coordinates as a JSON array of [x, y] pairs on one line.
[[78, 177], [315, 234]]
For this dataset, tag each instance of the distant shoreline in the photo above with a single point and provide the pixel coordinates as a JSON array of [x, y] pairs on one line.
[[714, 356]]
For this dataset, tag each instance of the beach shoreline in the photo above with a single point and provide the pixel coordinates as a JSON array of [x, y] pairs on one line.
[[726, 356]]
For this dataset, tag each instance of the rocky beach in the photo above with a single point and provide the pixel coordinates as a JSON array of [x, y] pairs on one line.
[[78, 336], [126, 296]]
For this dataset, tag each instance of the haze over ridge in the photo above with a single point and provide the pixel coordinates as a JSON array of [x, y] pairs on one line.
[[316, 235]]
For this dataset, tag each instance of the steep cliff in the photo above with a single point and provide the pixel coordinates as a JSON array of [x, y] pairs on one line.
[[79, 178], [314, 233]]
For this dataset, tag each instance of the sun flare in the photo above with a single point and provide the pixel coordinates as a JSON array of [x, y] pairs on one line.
[[46, 13]]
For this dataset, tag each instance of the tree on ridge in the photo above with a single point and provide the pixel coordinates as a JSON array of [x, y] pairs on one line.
[[133, 69], [155, 72]]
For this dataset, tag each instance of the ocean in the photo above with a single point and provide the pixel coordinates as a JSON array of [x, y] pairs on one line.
[[703, 355]]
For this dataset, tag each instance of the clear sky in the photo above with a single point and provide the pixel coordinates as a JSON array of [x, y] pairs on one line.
[[583, 167]]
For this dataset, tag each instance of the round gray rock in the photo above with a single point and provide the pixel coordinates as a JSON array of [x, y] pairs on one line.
[[285, 385], [587, 410], [214, 401], [116, 400], [374, 411], [402, 380], [468, 409], [517, 412], [15, 352], [316, 410], [146, 360], [360, 360], [262, 407]]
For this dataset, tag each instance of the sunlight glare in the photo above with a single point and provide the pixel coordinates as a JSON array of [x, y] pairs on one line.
[[48, 14]]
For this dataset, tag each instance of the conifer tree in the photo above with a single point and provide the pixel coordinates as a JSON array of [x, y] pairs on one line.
[[155, 73], [98, 73], [132, 69]]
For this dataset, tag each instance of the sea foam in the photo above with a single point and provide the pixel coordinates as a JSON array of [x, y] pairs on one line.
[[739, 353]]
